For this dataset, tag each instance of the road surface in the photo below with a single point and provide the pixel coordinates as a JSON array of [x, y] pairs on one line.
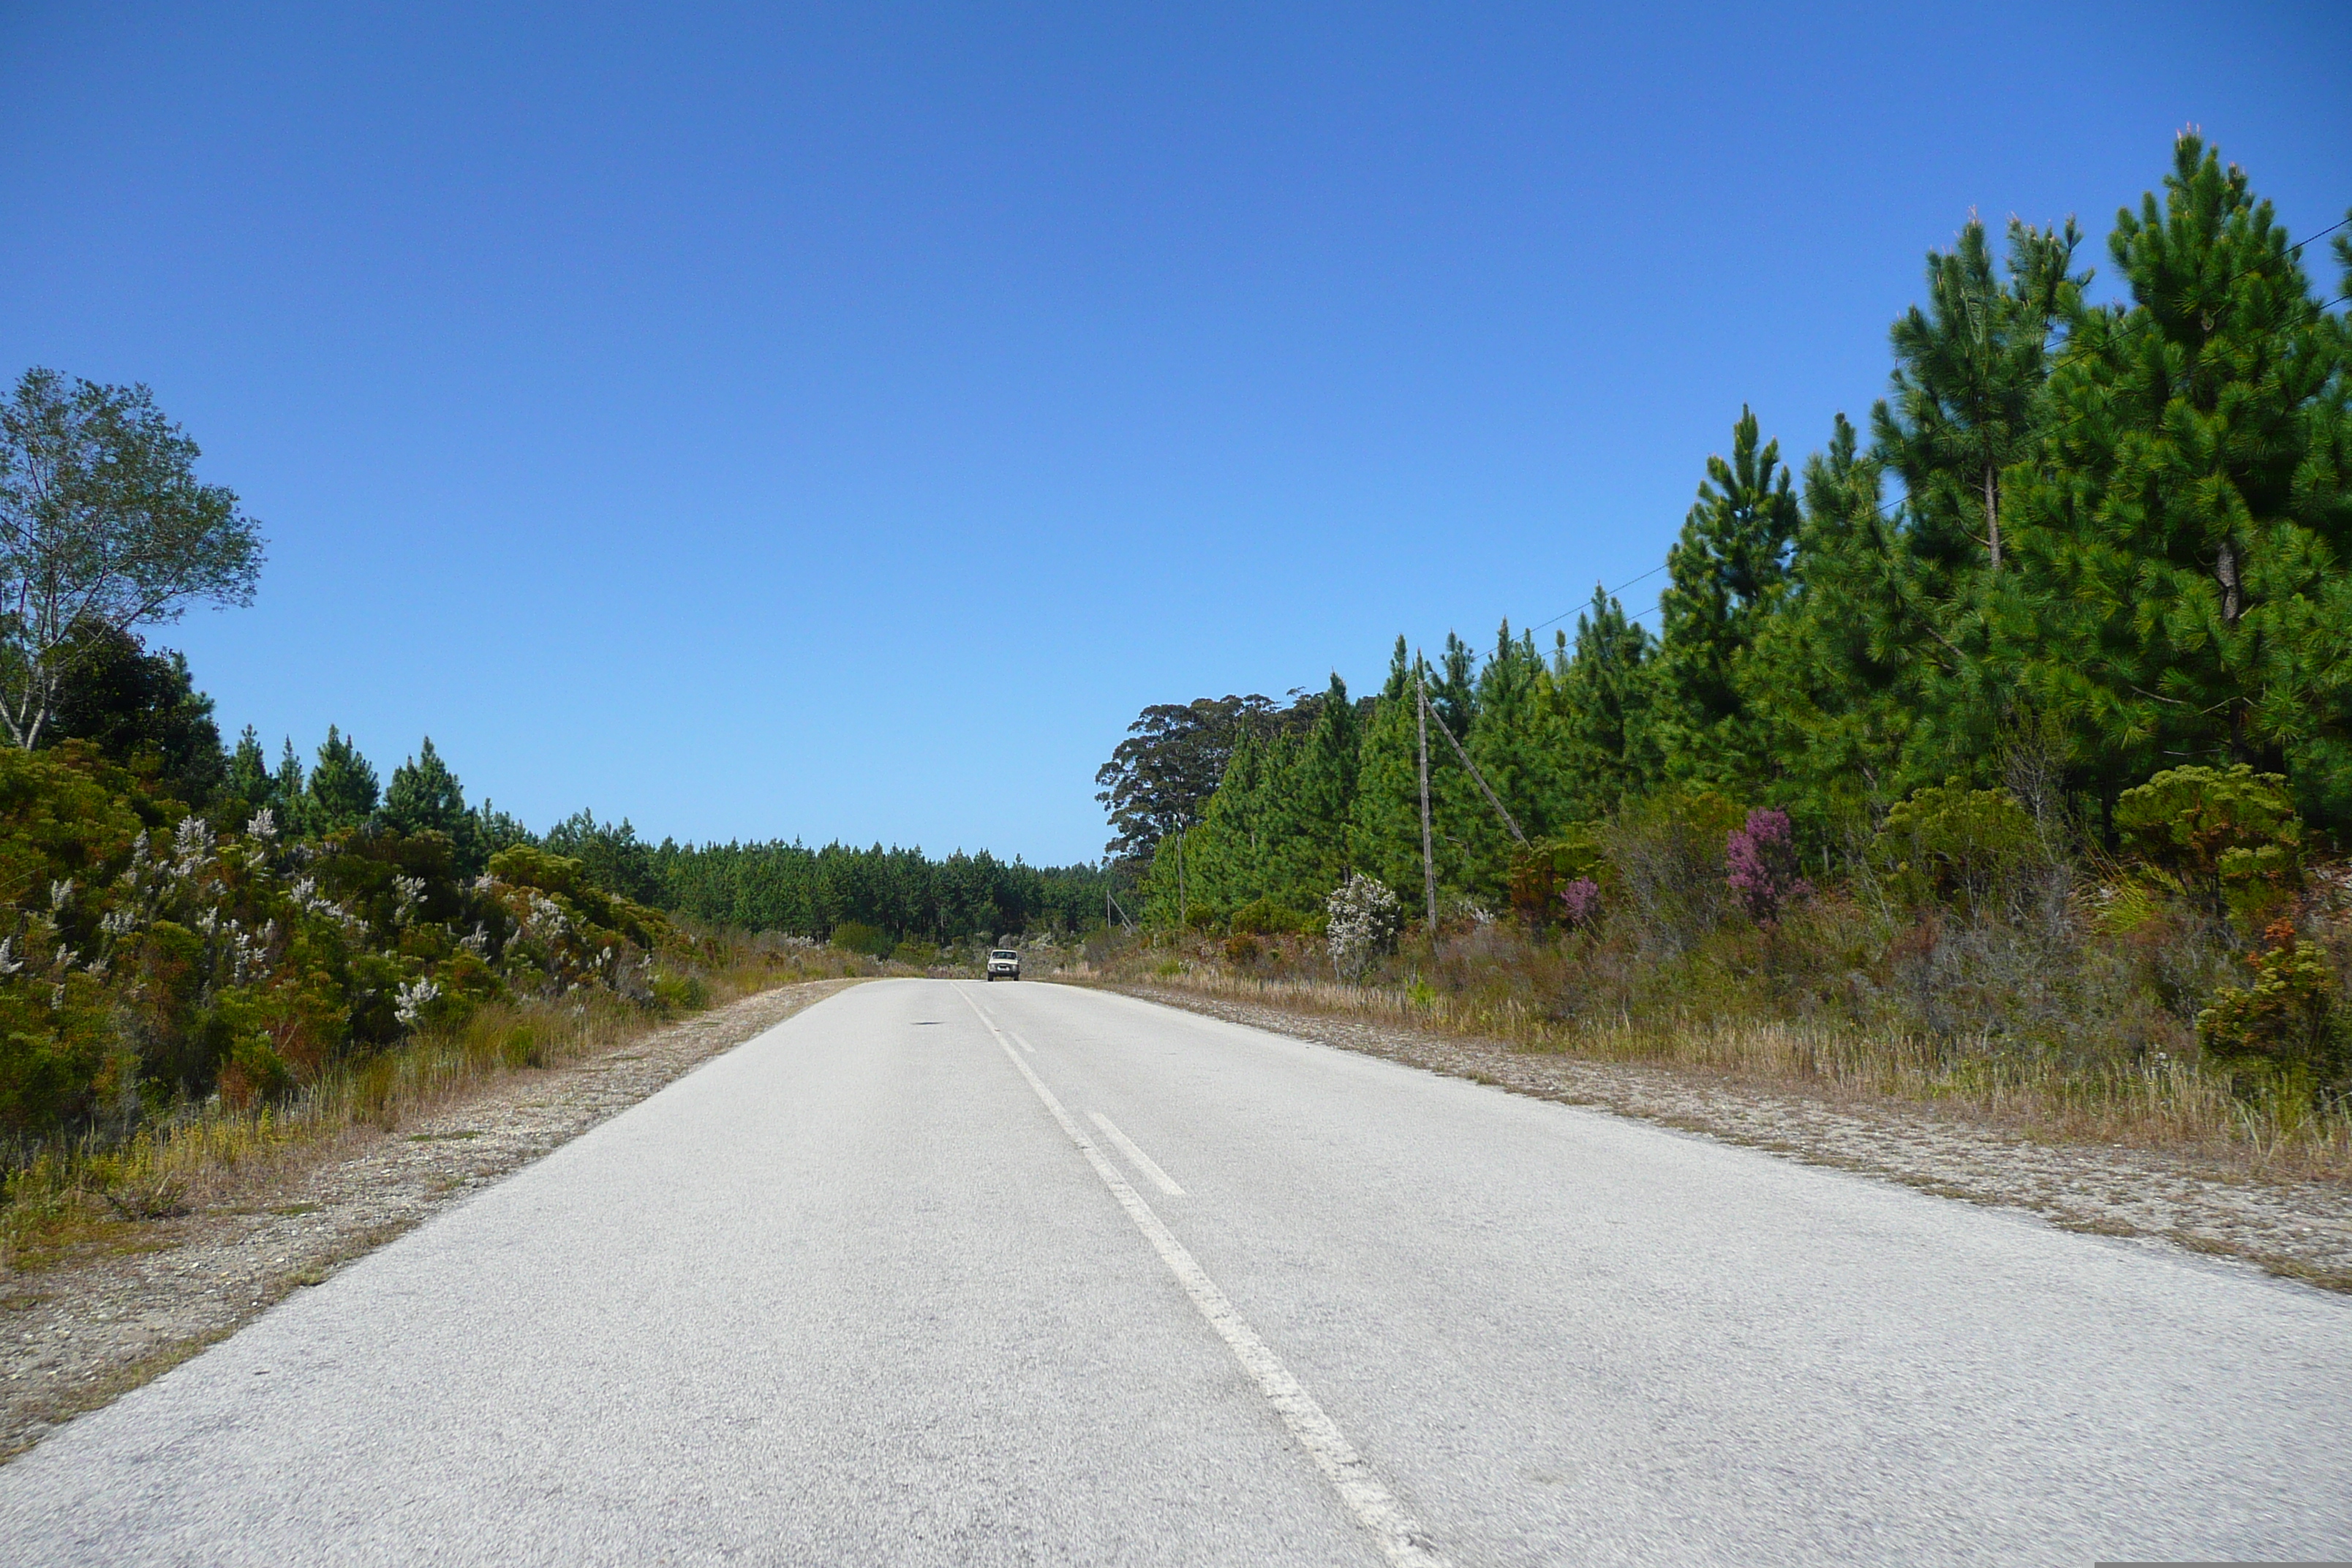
[[952, 1273]]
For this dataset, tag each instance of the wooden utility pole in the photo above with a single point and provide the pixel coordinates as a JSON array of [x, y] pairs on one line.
[[1428, 862]]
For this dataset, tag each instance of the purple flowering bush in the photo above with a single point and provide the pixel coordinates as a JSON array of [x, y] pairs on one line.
[[1761, 866]]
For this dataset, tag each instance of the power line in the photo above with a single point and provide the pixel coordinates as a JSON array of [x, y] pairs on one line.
[[1612, 594], [2307, 238]]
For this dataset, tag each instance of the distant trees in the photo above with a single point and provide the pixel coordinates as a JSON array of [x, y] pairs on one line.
[[1175, 753], [103, 527], [902, 893]]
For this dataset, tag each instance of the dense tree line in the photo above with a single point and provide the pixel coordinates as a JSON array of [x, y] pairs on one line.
[[2092, 541], [900, 893], [141, 711]]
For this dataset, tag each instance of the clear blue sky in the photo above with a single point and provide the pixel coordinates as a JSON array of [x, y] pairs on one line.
[[802, 421]]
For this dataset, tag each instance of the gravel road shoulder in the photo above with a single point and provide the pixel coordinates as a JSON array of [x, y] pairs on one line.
[[2301, 1230], [118, 1313]]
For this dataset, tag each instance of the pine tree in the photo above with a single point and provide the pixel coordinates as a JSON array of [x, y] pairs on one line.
[[1518, 745], [424, 796], [344, 789], [1454, 688], [288, 795], [1312, 798], [1399, 684], [248, 777], [1384, 824], [1728, 569], [1966, 391], [1602, 694], [2182, 535], [1846, 674], [1225, 855]]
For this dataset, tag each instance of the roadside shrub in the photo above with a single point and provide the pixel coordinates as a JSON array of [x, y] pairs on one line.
[[1241, 950], [568, 881], [1364, 919], [1759, 866], [857, 936], [677, 994], [1263, 917], [522, 1047], [147, 957], [920, 954], [2288, 1016], [1952, 844], [2230, 839], [1542, 872], [1663, 866]]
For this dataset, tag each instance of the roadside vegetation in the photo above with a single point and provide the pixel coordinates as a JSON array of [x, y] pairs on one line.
[[85, 1185], [211, 959], [2000, 756], [194, 990]]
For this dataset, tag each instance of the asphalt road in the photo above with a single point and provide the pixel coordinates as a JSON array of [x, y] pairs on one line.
[[941, 1273]]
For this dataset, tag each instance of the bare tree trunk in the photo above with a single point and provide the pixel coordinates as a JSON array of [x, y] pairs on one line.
[[2225, 567], [1993, 514], [27, 719]]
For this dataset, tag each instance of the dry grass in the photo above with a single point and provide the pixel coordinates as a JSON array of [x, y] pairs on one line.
[[2161, 1104], [66, 1195]]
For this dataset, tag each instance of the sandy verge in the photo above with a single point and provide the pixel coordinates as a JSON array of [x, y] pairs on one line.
[[2301, 1230], [130, 1306]]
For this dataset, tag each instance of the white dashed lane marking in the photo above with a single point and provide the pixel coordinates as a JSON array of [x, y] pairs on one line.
[[1401, 1539]]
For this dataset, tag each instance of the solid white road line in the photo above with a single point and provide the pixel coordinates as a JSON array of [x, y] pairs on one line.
[[1137, 1157], [1401, 1541]]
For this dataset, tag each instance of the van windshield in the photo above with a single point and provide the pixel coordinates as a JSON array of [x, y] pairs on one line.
[[1004, 952]]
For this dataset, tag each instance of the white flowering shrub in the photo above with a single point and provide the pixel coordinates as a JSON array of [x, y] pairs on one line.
[[1365, 918], [411, 997], [142, 950]]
